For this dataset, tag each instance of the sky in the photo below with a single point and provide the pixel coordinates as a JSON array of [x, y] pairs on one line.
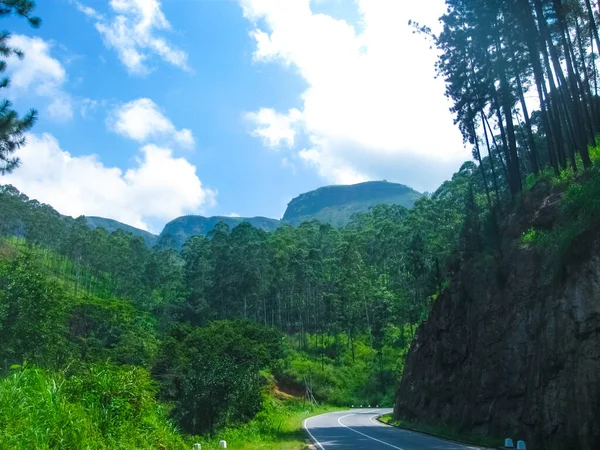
[[149, 109]]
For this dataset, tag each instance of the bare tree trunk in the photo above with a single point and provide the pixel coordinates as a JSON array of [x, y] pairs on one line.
[[487, 142]]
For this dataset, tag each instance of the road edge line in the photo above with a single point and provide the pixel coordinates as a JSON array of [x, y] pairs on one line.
[[468, 445], [308, 431]]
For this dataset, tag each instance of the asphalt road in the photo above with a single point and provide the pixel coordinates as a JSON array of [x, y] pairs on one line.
[[359, 430]]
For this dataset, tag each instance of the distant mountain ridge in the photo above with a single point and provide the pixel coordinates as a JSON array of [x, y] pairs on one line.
[[334, 205], [181, 229], [111, 226]]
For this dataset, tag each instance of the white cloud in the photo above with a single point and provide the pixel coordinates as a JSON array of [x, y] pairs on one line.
[[133, 31], [232, 215], [373, 108], [158, 188], [274, 128], [39, 73], [142, 120]]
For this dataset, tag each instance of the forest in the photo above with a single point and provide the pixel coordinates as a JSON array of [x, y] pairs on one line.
[[107, 341]]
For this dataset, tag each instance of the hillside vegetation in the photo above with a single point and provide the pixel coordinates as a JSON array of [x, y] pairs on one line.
[[112, 226], [178, 231]]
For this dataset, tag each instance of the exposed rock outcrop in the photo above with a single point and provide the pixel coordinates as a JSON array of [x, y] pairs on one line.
[[513, 348]]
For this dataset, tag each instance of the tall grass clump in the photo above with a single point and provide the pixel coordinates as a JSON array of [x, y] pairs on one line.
[[103, 407]]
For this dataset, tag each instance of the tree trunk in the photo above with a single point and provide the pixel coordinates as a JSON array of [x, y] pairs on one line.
[[535, 165], [487, 142]]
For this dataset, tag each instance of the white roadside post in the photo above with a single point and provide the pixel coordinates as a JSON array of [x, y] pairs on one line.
[[197, 446], [521, 445], [508, 443], [222, 444]]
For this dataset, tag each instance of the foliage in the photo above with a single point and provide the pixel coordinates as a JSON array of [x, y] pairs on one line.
[[212, 374], [13, 128], [103, 407], [579, 212], [32, 316], [338, 375]]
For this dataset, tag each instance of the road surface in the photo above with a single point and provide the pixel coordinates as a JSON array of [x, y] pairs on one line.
[[359, 430]]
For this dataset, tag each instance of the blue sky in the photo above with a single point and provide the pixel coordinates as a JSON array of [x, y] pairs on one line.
[[150, 110]]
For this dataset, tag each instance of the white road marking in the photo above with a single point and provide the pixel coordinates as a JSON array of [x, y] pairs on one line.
[[310, 434], [365, 435]]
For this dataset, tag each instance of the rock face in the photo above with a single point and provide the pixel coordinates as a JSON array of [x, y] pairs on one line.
[[513, 349], [335, 205]]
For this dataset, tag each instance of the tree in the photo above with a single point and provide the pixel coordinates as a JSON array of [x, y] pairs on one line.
[[13, 128]]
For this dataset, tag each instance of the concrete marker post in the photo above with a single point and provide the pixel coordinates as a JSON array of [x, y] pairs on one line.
[[508, 443], [521, 445], [222, 444], [197, 447]]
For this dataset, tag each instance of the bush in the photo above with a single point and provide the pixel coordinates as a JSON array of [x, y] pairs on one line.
[[212, 374]]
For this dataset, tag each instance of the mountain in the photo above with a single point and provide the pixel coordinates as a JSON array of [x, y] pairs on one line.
[[335, 205], [112, 225], [181, 229]]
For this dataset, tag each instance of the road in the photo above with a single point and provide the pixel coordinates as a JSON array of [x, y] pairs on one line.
[[359, 430]]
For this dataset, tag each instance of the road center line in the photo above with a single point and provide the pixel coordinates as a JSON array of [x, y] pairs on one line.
[[363, 434]]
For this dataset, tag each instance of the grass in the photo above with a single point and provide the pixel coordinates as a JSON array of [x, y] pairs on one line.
[[114, 407], [106, 407], [277, 427], [444, 432]]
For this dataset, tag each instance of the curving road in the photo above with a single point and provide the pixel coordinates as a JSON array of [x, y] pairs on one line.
[[359, 430]]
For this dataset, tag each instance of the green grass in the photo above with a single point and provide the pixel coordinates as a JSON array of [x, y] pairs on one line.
[[444, 432], [277, 427], [104, 407]]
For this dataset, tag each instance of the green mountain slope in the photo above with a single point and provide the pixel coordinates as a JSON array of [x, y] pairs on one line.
[[111, 225], [335, 205], [181, 229]]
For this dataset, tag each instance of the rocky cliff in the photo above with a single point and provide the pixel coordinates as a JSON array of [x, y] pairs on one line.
[[512, 347], [335, 205]]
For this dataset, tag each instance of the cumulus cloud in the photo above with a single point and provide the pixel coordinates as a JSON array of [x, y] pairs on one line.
[[274, 128], [142, 120], [158, 187], [373, 108], [133, 30], [39, 73]]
